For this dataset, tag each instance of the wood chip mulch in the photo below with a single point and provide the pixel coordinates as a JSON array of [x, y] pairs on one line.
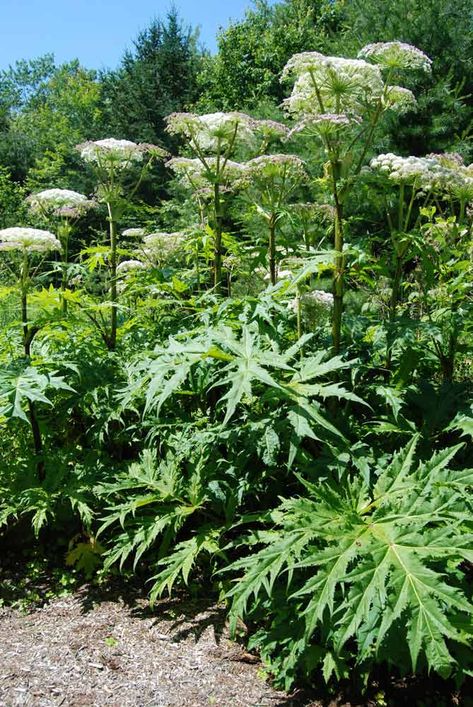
[[76, 653]]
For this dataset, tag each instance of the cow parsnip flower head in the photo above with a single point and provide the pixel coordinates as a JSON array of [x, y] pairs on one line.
[[59, 202], [460, 184], [396, 55], [271, 130], [54, 198], [212, 132], [28, 239], [328, 85], [120, 154], [311, 211]]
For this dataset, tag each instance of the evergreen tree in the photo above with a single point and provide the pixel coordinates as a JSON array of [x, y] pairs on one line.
[[158, 77]]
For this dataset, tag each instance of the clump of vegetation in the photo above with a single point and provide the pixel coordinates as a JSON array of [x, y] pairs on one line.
[[249, 362]]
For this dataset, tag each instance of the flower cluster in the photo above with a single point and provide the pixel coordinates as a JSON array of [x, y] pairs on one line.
[[442, 173], [399, 99], [197, 175], [162, 246], [219, 133], [213, 132], [128, 265], [59, 202], [271, 130], [117, 153], [268, 167], [331, 85], [28, 239], [396, 55], [310, 211], [311, 304], [134, 232], [323, 124]]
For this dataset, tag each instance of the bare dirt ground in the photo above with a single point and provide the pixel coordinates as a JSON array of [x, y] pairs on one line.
[[76, 652]]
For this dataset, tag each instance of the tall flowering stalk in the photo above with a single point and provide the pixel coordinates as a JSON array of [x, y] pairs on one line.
[[270, 181], [214, 139], [29, 243], [423, 186], [340, 102], [111, 160], [64, 207]]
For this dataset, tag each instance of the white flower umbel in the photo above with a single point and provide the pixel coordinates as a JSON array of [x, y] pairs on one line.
[[53, 199], [324, 124], [424, 173], [134, 232], [325, 299], [118, 153], [162, 246], [213, 132], [399, 99], [127, 266], [194, 173], [396, 55], [269, 166], [28, 239], [331, 85]]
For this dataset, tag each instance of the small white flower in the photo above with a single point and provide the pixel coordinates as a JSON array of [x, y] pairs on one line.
[[29, 239]]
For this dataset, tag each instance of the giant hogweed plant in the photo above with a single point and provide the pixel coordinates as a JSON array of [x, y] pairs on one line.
[[112, 161], [353, 574], [20, 385], [425, 202], [340, 102], [214, 139], [226, 449]]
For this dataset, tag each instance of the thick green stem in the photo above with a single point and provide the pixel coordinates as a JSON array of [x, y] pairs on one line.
[[65, 232], [218, 218], [38, 443], [27, 339], [338, 276], [396, 287], [272, 249], [299, 314], [113, 280]]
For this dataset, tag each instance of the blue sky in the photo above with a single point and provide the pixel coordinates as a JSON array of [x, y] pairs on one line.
[[98, 31]]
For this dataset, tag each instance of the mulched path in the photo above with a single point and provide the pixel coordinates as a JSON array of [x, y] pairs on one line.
[[76, 652]]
